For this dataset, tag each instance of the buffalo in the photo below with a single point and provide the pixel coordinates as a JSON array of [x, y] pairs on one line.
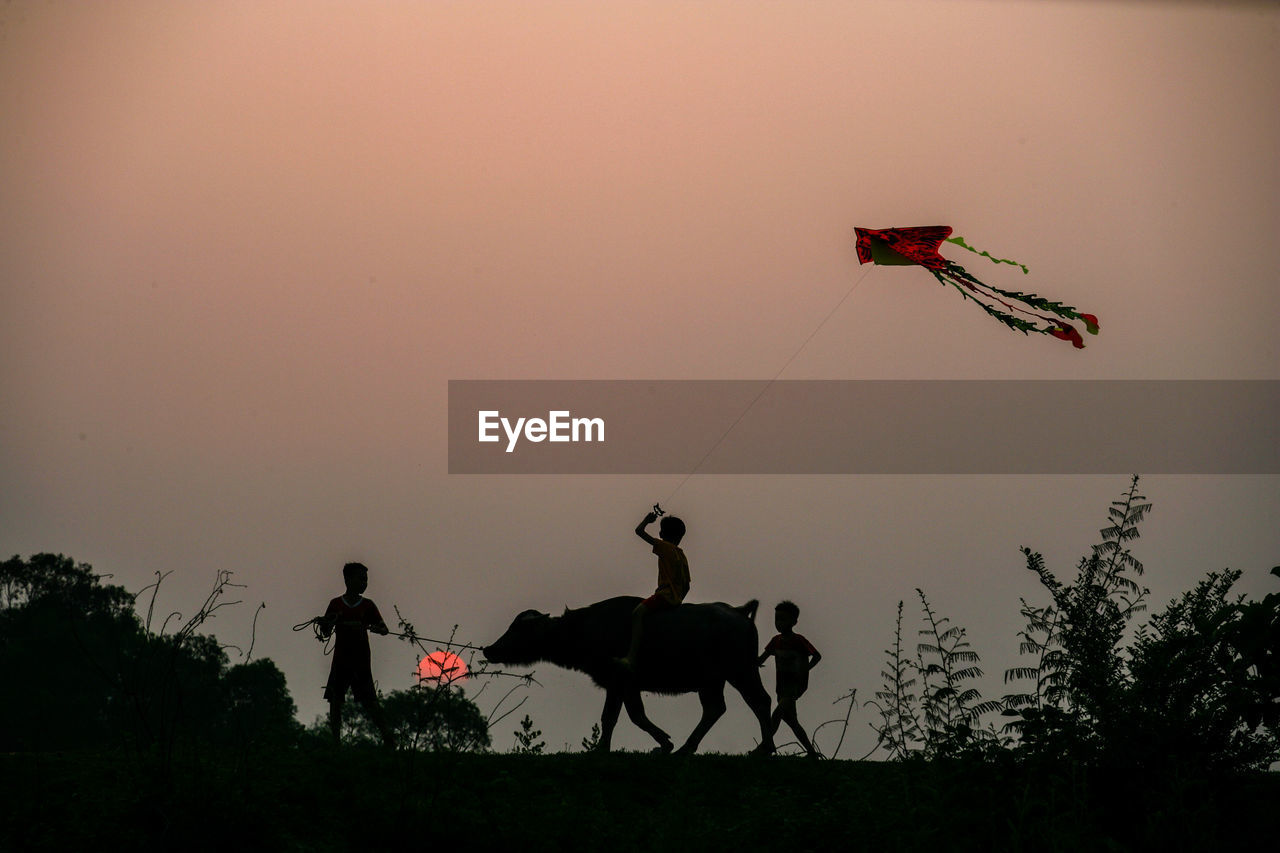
[[690, 648]]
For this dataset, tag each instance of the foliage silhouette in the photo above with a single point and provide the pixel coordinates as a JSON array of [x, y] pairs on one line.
[[943, 719], [528, 739], [1197, 690], [1076, 707], [951, 709], [94, 673], [63, 639], [896, 700], [424, 718]]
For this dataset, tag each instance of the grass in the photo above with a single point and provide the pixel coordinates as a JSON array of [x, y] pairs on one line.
[[320, 799]]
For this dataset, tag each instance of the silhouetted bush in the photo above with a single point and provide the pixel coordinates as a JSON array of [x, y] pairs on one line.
[[1197, 690], [87, 670], [425, 717], [1200, 692]]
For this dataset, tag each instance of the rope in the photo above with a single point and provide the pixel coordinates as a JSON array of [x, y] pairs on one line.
[[446, 643], [314, 624], [769, 384]]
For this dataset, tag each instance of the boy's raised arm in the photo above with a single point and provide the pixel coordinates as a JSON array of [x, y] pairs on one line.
[[648, 519]]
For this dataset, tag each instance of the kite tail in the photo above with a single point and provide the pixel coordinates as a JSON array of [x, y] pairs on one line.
[[999, 303], [959, 241]]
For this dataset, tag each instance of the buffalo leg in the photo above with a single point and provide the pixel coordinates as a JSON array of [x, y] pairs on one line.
[[609, 718], [757, 699], [712, 709], [635, 710]]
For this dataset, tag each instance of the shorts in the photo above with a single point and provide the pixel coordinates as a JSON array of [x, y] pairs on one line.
[[657, 602], [356, 676], [792, 688]]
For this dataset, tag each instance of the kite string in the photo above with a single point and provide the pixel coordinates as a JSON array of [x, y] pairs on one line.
[[769, 384]]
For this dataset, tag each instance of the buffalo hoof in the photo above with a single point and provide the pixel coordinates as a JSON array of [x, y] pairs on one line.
[[763, 749], [663, 748]]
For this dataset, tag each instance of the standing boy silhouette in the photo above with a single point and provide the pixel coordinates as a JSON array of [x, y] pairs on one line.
[[352, 616], [673, 577], [795, 656]]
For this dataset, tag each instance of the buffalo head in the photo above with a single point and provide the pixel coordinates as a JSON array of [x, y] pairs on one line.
[[524, 642]]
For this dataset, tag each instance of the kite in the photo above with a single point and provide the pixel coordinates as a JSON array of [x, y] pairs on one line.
[[919, 247]]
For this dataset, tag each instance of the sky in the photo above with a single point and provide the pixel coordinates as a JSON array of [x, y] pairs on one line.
[[248, 244]]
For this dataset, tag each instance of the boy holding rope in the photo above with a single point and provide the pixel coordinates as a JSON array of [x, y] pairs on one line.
[[352, 616]]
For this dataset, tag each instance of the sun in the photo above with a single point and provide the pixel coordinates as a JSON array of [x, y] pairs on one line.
[[444, 667]]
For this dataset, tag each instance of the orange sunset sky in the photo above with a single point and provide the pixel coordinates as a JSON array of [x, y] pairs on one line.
[[247, 244]]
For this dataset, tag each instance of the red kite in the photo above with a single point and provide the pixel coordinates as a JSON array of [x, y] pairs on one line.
[[919, 247]]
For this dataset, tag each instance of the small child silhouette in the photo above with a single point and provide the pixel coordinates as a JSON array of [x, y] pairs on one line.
[[352, 616], [795, 656], [673, 578]]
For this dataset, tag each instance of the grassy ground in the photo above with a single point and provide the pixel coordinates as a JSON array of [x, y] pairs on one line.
[[322, 799]]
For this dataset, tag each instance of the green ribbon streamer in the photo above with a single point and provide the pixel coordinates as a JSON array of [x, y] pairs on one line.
[[959, 241]]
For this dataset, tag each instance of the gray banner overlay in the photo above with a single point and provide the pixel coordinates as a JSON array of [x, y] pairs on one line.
[[865, 427]]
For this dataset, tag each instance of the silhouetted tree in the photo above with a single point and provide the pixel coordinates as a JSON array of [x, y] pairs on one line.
[[1202, 691], [1076, 703], [1198, 688], [259, 709], [423, 717], [63, 637], [86, 670]]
